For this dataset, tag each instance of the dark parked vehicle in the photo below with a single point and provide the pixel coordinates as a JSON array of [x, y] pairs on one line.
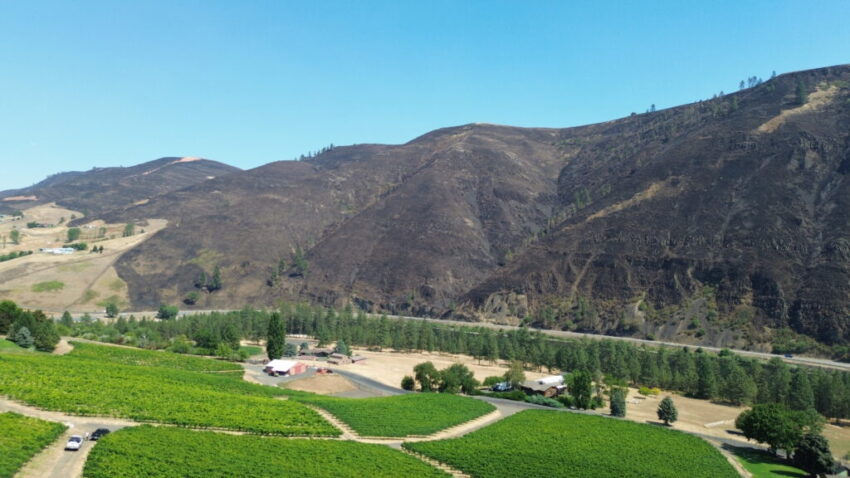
[[100, 432]]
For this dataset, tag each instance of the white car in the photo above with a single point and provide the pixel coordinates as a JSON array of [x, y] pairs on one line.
[[74, 443]]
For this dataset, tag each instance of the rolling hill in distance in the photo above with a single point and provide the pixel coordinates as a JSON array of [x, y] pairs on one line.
[[720, 222]]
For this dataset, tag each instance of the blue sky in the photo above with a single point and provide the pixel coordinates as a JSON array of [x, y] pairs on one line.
[[89, 83]]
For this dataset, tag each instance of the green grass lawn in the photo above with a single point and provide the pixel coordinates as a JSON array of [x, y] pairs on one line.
[[252, 350], [155, 387], [49, 286], [562, 444], [399, 415], [764, 465], [21, 438], [174, 452], [9, 346]]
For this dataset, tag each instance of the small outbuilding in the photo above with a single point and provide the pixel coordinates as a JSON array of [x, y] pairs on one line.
[[339, 359], [284, 367], [550, 386], [318, 352]]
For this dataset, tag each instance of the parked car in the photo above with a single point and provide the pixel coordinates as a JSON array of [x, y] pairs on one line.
[[100, 432], [501, 387], [74, 443]]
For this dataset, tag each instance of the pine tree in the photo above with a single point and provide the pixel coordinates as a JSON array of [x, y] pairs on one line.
[[801, 93], [618, 402], [801, 396], [201, 281], [23, 338], [667, 411], [111, 310], [738, 388], [215, 283], [812, 454], [66, 319], [276, 337], [706, 377], [342, 348]]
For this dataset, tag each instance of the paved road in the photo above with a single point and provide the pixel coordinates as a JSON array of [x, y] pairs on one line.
[[799, 360]]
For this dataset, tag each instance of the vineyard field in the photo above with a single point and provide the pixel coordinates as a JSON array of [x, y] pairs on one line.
[[162, 451], [399, 415], [89, 386], [21, 438], [153, 358], [561, 444]]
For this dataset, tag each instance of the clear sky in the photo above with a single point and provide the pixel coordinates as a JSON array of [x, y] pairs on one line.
[[88, 83]]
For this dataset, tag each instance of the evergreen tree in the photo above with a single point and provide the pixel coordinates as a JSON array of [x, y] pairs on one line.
[[215, 283], [581, 389], [801, 396], [276, 337], [812, 454], [23, 337], [667, 411], [111, 310], [618, 402], [45, 337], [801, 93], [201, 281], [66, 319], [408, 383], [777, 382], [738, 388], [706, 377], [299, 263], [342, 348]]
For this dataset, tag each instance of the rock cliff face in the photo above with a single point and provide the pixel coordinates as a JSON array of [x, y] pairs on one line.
[[713, 222]]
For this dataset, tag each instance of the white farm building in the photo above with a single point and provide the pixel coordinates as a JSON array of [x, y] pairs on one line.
[[57, 250]]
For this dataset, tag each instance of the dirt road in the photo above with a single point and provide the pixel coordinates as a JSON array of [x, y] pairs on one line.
[[54, 461]]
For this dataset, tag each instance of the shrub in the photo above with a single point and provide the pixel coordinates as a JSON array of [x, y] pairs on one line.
[[408, 383], [167, 312], [545, 401], [647, 391]]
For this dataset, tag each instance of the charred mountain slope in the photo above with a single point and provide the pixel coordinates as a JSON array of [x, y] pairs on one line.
[[713, 222], [727, 215], [103, 189]]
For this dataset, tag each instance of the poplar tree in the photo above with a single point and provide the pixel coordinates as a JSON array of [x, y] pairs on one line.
[[276, 337]]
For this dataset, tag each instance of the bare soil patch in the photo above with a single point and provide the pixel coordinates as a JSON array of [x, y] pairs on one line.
[[89, 279], [816, 100], [322, 384], [390, 367]]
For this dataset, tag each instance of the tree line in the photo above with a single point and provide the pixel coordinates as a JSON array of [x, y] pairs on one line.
[[724, 377]]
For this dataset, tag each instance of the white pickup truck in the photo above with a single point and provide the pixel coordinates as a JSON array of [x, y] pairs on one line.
[[74, 443]]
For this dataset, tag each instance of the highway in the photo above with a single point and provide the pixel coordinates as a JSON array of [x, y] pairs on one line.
[[795, 360]]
